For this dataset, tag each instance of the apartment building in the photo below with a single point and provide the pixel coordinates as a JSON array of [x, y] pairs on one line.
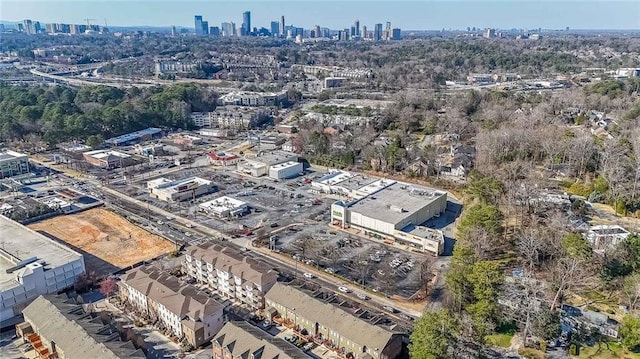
[[13, 164], [182, 309], [241, 340], [328, 323], [229, 273]]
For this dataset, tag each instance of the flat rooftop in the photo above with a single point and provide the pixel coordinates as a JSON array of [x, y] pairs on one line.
[[396, 202], [134, 135], [356, 182], [223, 203], [103, 154], [271, 158], [8, 154], [19, 243], [334, 178]]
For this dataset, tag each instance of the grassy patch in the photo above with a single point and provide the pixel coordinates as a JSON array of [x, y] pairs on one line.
[[499, 340], [531, 353], [614, 351]]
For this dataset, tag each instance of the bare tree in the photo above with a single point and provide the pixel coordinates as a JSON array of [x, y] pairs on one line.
[[631, 291], [570, 274], [426, 273], [530, 244]]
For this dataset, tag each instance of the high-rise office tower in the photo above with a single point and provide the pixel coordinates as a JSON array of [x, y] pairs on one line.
[[395, 34], [356, 24], [246, 23], [173, 30], [282, 33], [214, 31], [317, 31], [205, 27], [364, 32], [275, 28], [377, 32], [198, 25], [29, 27], [387, 31]]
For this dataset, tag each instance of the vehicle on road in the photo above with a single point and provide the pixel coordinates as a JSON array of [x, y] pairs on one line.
[[308, 275], [362, 296], [266, 325], [389, 308], [344, 289]]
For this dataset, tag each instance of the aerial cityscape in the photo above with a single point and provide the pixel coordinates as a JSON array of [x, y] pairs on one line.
[[327, 180]]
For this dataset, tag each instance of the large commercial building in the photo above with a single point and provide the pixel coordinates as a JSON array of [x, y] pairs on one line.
[[179, 190], [107, 159], [31, 265], [386, 209], [247, 98], [259, 165], [59, 328], [241, 340], [13, 164], [326, 322], [224, 207], [230, 273], [231, 117], [185, 311]]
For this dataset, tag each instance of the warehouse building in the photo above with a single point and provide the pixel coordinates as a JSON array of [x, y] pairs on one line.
[[387, 210], [107, 159], [179, 190], [286, 170], [13, 164], [32, 265], [224, 207], [132, 138]]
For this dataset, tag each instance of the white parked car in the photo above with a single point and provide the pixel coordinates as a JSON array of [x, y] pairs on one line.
[[362, 296], [343, 289], [308, 275]]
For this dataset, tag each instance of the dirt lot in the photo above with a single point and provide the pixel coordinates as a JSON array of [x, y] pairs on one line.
[[104, 236]]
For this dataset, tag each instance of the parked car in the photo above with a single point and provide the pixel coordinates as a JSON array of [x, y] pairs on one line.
[[362, 296], [344, 289], [308, 275], [389, 308], [266, 325]]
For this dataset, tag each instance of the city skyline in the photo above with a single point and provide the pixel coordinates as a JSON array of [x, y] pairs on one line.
[[409, 15]]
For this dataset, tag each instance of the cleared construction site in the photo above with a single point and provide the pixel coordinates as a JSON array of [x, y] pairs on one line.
[[108, 241]]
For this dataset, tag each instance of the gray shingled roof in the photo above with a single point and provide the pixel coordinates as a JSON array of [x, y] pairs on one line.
[[330, 316], [233, 261], [78, 334], [243, 339]]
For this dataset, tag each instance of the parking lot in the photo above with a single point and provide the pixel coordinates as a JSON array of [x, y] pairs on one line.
[[379, 267]]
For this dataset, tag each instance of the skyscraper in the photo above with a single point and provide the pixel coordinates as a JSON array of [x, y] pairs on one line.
[[377, 32], [395, 34], [356, 24], [282, 26], [173, 30], [363, 34], [198, 25], [246, 23], [317, 32], [275, 28], [205, 27], [387, 31]]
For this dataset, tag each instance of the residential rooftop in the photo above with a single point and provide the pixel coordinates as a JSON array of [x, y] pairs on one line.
[[330, 316], [76, 333], [20, 245], [233, 261], [244, 340], [185, 301]]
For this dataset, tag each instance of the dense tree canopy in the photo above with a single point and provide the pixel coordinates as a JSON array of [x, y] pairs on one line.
[[59, 114]]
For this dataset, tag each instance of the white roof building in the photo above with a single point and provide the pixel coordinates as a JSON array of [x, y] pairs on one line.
[[179, 190], [32, 264], [606, 236], [224, 207]]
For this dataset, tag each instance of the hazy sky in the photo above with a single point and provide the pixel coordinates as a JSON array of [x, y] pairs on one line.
[[414, 15]]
